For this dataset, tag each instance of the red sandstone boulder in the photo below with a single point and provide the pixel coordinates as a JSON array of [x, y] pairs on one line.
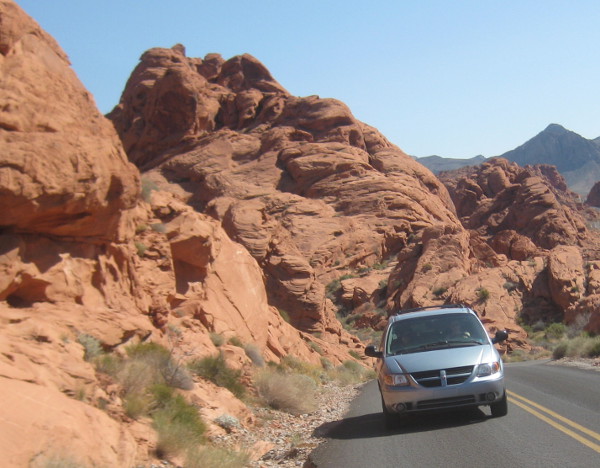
[[84, 180]]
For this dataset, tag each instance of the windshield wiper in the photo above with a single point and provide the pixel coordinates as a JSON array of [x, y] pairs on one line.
[[454, 342]]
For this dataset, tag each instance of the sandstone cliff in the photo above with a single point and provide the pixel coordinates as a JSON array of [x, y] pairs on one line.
[[81, 256], [252, 205]]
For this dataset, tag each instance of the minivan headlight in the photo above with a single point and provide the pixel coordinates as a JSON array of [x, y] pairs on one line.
[[396, 380], [488, 369]]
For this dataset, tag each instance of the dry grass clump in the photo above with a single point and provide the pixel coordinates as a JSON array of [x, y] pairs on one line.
[[292, 393], [581, 346], [214, 457], [350, 373], [215, 369], [178, 423]]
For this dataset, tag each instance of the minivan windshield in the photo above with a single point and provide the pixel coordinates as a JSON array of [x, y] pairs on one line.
[[432, 332]]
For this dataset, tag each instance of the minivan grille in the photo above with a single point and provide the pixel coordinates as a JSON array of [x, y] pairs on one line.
[[435, 378], [441, 403]]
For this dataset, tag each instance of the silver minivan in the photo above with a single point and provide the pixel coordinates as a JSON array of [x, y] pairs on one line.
[[438, 358]]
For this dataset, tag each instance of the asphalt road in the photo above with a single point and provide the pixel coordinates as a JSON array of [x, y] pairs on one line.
[[553, 421]]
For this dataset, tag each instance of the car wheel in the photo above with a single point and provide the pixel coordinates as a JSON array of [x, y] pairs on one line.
[[500, 408]]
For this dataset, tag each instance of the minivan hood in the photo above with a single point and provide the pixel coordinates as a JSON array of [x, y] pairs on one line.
[[441, 359]]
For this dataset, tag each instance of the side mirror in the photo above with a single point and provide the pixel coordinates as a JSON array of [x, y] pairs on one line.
[[371, 351], [501, 335]]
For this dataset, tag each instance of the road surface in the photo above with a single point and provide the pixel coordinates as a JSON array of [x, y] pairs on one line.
[[553, 421]]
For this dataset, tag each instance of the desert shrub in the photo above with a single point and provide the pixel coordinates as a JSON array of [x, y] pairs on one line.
[[215, 457], [141, 228], [227, 422], [354, 354], [316, 348], [593, 348], [160, 365], [350, 372], [326, 363], [178, 424], [217, 339], [284, 315], [439, 291], [253, 352], [560, 350], [91, 346], [483, 294], [292, 364], [147, 187], [137, 404], [109, 364], [292, 393], [555, 330], [235, 341], [158, 227], [141, 248], [215, 369]]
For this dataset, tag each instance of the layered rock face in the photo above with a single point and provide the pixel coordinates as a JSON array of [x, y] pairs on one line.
[[84, 257], [500, 196], [310, 191], [535, 231]]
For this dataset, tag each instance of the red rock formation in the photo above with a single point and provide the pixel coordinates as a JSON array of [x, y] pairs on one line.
[[299, 182], [501, 196], [82, 255]]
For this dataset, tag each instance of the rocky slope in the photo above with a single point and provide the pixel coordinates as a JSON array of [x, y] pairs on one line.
[[311, 192], [82, 254], [252, 205]]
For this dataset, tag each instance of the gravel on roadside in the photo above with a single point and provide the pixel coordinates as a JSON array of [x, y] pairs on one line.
[[281, 439]]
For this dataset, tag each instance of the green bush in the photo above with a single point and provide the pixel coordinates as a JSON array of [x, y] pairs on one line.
[[555, 330], [160, 365], [178, 424], [284, 315], [560, 350], [217, 339], [483, 294], [91, 346], [215, 369], [235, 341], [158, 227], [141, 248], [253, 352], [147, 187]]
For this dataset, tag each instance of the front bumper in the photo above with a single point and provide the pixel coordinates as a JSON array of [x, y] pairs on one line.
[[414, 397]]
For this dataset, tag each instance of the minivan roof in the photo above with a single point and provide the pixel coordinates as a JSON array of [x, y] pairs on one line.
[[432, 310]]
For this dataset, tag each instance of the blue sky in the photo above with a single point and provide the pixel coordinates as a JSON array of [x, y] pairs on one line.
[[455, 78]]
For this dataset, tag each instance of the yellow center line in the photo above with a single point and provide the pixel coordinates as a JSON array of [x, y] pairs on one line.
[[513, 399], [573, 424]]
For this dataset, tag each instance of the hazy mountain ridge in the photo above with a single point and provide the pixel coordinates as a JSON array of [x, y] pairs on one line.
[[575, 157]]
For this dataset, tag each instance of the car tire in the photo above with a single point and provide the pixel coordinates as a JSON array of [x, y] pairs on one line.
[[500, 408]]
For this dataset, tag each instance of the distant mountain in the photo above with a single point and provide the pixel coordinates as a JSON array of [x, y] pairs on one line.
[[575, 157], [437, 164]]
